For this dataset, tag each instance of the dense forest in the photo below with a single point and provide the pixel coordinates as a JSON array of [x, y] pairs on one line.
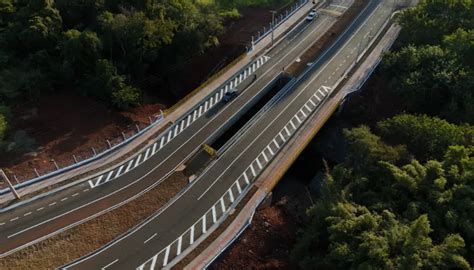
[[112, 50], [404, 196]]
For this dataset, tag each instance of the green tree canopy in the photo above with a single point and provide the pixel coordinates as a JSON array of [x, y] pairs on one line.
[[395, 213], [426, 137]]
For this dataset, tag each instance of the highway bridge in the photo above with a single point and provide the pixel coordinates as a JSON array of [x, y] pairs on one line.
[[163, 238]]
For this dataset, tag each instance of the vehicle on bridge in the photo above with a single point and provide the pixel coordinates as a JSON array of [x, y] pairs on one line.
[[229, 96], [312, 14]]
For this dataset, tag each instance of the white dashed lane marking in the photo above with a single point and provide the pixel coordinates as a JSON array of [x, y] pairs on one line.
[[27, 214], [51, 204], [39, 209], [151, 237], [63, 199], [75, 194], [15, 218]]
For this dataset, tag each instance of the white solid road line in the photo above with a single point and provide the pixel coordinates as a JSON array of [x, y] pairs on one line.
[[116, 260], [178, 250], [204, 229], [129, 166], [162, 142], [277, 145], [167, 253], [153, 262], [246, 178], [138, 160], [108, 176], [251, 169], [151, 237], [292, 124], [191, 237], [231, 196], [222, 204], [281, 136], [119, 170], [214, 218], [259, 164], [302, 112], [154, 148], [297, 119], [146, 153], [237, 184], [176, 131]]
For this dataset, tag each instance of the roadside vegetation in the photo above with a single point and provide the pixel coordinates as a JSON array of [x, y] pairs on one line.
[[117, 51], [404, 196]]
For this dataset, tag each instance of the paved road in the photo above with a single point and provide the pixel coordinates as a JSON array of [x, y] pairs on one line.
[[42, 218], [187, 220]]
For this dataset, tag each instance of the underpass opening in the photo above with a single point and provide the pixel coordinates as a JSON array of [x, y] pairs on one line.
[[225, 137]]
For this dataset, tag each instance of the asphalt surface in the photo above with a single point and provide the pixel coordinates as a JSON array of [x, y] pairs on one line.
[[166, 235], [35, 221]]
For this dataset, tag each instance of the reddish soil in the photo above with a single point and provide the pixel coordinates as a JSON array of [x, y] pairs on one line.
[[268, 241], [67, 123], [266, 244]]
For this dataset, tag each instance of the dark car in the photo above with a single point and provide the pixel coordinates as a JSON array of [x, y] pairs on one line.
[[229, 96]]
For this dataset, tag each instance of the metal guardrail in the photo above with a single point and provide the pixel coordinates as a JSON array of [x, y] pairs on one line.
[[84, 162], [278, 21]]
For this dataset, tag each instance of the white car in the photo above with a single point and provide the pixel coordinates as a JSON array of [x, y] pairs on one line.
[[312, 14]]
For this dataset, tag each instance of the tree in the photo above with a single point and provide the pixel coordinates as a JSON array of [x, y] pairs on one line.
[[80, 50], [429, 21], [362, 239], [6, 11], [107, 84], [42, 31], [429, 80], [3, 126], [461, 45], [366, 148], [426, 137], [79, 14]]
